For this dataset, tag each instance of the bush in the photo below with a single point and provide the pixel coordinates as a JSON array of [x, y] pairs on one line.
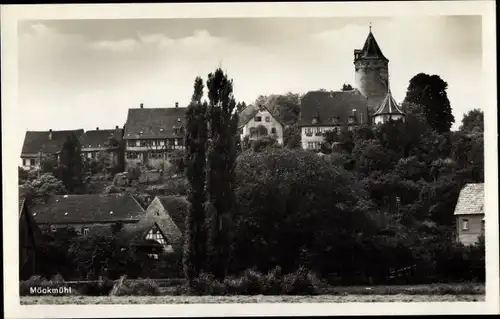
[[299, 282], [97, 288], [206, 284], [140, 287]]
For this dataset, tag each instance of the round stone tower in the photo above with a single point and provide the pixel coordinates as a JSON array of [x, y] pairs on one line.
[[371, 72]]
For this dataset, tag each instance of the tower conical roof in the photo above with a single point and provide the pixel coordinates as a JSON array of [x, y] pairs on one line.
[[371, 49], [388, 106]]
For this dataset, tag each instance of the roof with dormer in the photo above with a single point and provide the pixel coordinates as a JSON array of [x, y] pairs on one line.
[[99, 138], [144, 123], [87, 208], [323, 108], [371, 49], [388, 106]]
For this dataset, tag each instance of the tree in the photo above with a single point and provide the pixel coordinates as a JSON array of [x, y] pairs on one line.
[[221, 156], [292, 137], [473, 121], [70, 170], [40, 189], [429, 91], [286, 107], [196, 138], [240, 106], [346, 87], [48, 164]]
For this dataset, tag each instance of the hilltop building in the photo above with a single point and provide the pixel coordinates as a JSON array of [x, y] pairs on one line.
[[369, 103]]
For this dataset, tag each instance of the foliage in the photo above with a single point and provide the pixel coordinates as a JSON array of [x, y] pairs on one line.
[[429, 91], [286, 107], [292, 137], [40, 189], [146, 287], [346, 87], [221, 156], [48, 164], [177, 158], [262, 143], [473, 121], [196, 136], [70, 163], [134, 173]]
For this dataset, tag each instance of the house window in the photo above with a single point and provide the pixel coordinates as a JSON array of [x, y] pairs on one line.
[[53, 228], [268, 119], [32, 162], [138, 143], [162, 142], [78, 231], [273, 130], [175, 142], [156, 235], [24, 162], [308, 131], [85, 231], [258, 119], [465, 224]]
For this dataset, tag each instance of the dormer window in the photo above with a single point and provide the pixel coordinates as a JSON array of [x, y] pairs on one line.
[[352, 119], [315, 120], [258, 119], [335, 120]]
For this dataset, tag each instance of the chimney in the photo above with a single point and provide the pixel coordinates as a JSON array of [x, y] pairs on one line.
[[97, 129], [116, 127], [50, 135], [176, 104], [142, 105]]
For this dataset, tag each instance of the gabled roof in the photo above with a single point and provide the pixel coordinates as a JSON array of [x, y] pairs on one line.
[[154, 122], [39, 141], [471, 200], [325, 106], [88, 208], [388, 106], [177, 208], [249, 113], [371, 49], [99, 138]]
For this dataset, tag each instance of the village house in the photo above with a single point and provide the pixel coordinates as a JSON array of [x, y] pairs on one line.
[[257, 121], [152, 134], [171, 212], [370, 102], [82, 212], [469, 214], [38, 144], [102, 145], [29, 238], [162, 226]]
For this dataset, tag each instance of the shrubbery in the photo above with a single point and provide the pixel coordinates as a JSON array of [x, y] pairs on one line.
[[253, 282], [140, 287]]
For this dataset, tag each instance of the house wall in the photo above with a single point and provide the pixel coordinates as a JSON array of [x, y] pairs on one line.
[[174, 235], [28, 159], [475, 229], [135, 152], [273, 123], [314, 134], [380, 119]]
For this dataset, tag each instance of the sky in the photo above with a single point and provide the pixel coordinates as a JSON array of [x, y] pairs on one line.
[[87, 73]]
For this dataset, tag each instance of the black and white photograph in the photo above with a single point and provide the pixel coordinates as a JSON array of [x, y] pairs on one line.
[[325, 158]]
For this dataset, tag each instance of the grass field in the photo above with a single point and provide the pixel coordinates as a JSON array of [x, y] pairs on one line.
[[76, 300]]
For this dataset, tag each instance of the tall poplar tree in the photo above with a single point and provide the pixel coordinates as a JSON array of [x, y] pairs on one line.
[[196, 138], [221, 157]]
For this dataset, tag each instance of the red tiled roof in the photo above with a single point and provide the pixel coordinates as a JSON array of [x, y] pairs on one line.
[[88, 208]]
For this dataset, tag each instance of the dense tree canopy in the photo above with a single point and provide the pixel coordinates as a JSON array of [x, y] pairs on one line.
[[429, 91]]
